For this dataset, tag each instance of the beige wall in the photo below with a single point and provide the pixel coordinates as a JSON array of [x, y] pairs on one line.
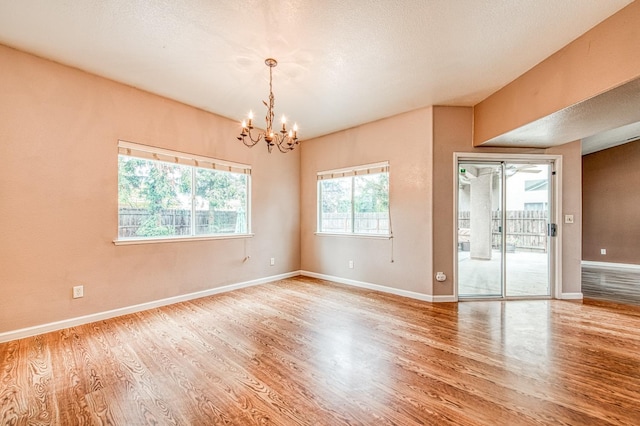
[[59, 129], [611, 204], [601, 59], [422, 200], [405, 141]]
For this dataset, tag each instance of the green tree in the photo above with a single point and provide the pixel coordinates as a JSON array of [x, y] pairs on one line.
[[226, 194], [128, 180], [371, 193], [153, 186], [221, 189], [336, 195]]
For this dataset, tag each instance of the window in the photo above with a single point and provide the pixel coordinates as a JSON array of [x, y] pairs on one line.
[[354, 200], [164, 194]]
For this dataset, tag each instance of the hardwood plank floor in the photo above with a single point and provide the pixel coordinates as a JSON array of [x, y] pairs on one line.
[[309, 352]]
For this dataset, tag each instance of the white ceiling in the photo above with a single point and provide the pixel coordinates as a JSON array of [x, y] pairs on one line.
[[341, 62]]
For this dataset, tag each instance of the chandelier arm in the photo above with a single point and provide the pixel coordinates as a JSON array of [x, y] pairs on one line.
[[252, 142], [256, 140], [249, 144], [285, 143]]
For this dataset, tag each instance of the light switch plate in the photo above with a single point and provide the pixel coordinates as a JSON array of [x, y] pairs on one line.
[[568, 218]]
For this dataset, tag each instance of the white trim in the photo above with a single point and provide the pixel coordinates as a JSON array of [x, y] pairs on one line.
[[571, 296], [556, 260], [496, 156], [370, 236], [133, 241], [72, 322], [381, 288], [610, 265], [444, 299]]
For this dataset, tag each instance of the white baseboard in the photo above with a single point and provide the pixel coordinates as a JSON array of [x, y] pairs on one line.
[[381, 288], [444, 299], [72, 322], [610, 265], [571, 296]]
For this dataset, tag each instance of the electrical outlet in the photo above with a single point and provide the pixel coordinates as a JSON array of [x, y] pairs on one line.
[[273, 261], [351, 264], [78, 291], [603, 251]]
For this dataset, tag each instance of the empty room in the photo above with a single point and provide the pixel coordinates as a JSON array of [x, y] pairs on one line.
[[319, 212]]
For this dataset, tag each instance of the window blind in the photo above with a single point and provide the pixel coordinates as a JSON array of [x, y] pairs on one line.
[[159, 154], [365, 169]]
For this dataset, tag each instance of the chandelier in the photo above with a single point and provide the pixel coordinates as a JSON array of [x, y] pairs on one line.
[[284, 140]]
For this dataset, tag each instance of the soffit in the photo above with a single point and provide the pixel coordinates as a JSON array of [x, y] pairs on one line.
[[603, 121]]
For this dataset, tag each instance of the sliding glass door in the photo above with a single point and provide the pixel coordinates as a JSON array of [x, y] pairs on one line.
[[503, 223]]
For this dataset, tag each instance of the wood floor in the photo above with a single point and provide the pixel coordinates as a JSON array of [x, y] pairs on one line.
[[308, 352]]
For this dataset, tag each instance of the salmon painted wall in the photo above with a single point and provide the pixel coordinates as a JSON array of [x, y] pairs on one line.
[[59, 129], [422, 200], [452, 132], [611, 204], [603, 58], [404, 141], [452, 128]]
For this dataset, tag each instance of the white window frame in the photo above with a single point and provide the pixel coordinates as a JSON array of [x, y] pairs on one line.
[[365, 169], [146, 152]]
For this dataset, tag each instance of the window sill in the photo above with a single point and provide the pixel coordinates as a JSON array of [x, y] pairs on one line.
[[133, 241], [368, 236]]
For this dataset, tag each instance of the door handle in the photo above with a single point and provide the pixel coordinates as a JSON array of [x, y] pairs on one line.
[[552, 230]]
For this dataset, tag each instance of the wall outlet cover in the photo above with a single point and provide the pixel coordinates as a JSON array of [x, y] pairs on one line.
[[78, 291]]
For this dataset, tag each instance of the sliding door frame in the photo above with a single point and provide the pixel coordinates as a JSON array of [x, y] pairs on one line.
[[555, 243]]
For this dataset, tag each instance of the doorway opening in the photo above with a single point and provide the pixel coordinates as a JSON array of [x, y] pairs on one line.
[[505, 214]]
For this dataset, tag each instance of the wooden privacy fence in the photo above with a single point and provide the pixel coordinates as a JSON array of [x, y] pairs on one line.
[[525, 229], [179, 221], [364, 223]]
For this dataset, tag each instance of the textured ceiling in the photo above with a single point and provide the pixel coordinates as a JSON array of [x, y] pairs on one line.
[[341, 62]]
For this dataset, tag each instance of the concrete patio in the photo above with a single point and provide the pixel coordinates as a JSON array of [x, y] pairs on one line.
[[526, 275]]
